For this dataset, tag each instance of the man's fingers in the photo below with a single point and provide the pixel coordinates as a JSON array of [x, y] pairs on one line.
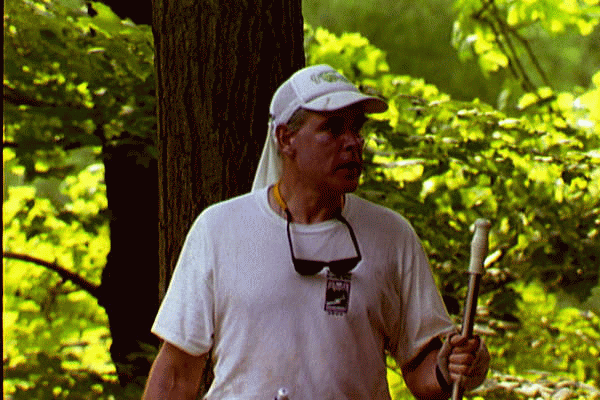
[[458, 357], [459, 341], [460, 364], [464, 346], [461, 359], [465, 360]]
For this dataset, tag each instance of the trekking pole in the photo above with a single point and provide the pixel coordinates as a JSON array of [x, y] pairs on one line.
[[479, 249], [282, 394]]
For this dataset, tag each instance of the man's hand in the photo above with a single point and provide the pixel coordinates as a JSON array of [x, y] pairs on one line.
[[463, 359]]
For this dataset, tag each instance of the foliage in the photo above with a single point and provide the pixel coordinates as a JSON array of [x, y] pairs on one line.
[[55, 333], [45, 377], [78, 81], [416, 36], [75, 236], [565, 340], [504, 35], [73, 81], [421, 39], [555, 352]]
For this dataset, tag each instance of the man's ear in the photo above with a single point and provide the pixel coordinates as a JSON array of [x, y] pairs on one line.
[[285, 140]]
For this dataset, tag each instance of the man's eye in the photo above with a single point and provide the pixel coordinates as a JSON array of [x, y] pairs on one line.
[[334, 125]]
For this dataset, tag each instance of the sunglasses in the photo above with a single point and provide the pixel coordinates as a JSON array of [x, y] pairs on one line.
[[312, 267]]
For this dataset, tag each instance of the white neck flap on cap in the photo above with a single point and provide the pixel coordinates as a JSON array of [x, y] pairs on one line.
[[270, 164]]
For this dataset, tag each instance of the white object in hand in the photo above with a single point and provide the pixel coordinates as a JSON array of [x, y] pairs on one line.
[[282, 394]]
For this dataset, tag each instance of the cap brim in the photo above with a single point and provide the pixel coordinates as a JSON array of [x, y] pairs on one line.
[[342, 99]]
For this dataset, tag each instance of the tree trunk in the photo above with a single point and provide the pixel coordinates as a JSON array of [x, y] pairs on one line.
[[129, 279], [217, 65]]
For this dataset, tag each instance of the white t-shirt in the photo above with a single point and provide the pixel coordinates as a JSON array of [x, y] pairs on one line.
[[235, 291]]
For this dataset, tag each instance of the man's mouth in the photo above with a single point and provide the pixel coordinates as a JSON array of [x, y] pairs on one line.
[[351, 166]]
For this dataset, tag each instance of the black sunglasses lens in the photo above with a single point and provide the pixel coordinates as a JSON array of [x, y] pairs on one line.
[[307, 267], [341, 267]]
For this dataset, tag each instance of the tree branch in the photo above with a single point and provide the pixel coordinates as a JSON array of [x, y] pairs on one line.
[[511, 63], [9, 145], [532, 56], [13, 96], [505, 32], [80, 281], [483, 9], [502, 37], [62, 142]]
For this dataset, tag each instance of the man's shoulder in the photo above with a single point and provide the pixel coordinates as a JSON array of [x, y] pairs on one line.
[[224, 217], [230, 207], [369, 207], [383, 217], [233, 203], [238, 206]]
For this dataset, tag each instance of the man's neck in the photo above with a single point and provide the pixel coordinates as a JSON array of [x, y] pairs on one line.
[[306, 206]]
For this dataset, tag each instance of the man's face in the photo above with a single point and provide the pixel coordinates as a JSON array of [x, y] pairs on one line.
[[328, 150]]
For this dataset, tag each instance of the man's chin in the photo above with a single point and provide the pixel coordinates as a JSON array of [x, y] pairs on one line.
[[343, 181], [349, 185]]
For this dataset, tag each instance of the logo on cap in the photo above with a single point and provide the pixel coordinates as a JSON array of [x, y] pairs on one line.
[[328, 77]]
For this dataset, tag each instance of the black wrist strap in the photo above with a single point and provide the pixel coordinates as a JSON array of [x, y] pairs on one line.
[[446, 386]]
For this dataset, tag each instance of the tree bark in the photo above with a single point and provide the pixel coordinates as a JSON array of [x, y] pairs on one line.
[[217, 65], [129, 279]]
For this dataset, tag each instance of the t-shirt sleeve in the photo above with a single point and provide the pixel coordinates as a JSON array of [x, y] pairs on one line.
[[185, 317], [423, 315]]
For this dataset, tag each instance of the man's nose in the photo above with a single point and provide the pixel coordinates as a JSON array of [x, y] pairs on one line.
[[353, 139]]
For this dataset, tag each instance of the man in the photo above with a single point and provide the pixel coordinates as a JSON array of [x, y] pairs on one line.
[[302, 285]]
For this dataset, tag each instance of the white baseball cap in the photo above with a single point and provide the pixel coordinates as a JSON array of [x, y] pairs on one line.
[[316, 88]]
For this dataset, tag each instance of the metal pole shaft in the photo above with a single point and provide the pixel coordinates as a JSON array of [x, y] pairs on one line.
[[479, 248], [471, 305], [468, 323]]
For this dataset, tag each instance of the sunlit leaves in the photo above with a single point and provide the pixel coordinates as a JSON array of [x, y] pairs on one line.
[[45, 314], [591, 102], [565, 340], [554, 16], [45, 377], [504, 35], [350, 49], [67, 77], [492, 60], [72, 83]]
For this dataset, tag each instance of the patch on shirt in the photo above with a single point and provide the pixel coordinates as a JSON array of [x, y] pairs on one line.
[[337, 294]]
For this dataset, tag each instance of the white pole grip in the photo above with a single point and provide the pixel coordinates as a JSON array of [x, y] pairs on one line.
[[479, 246], [282, 394]]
